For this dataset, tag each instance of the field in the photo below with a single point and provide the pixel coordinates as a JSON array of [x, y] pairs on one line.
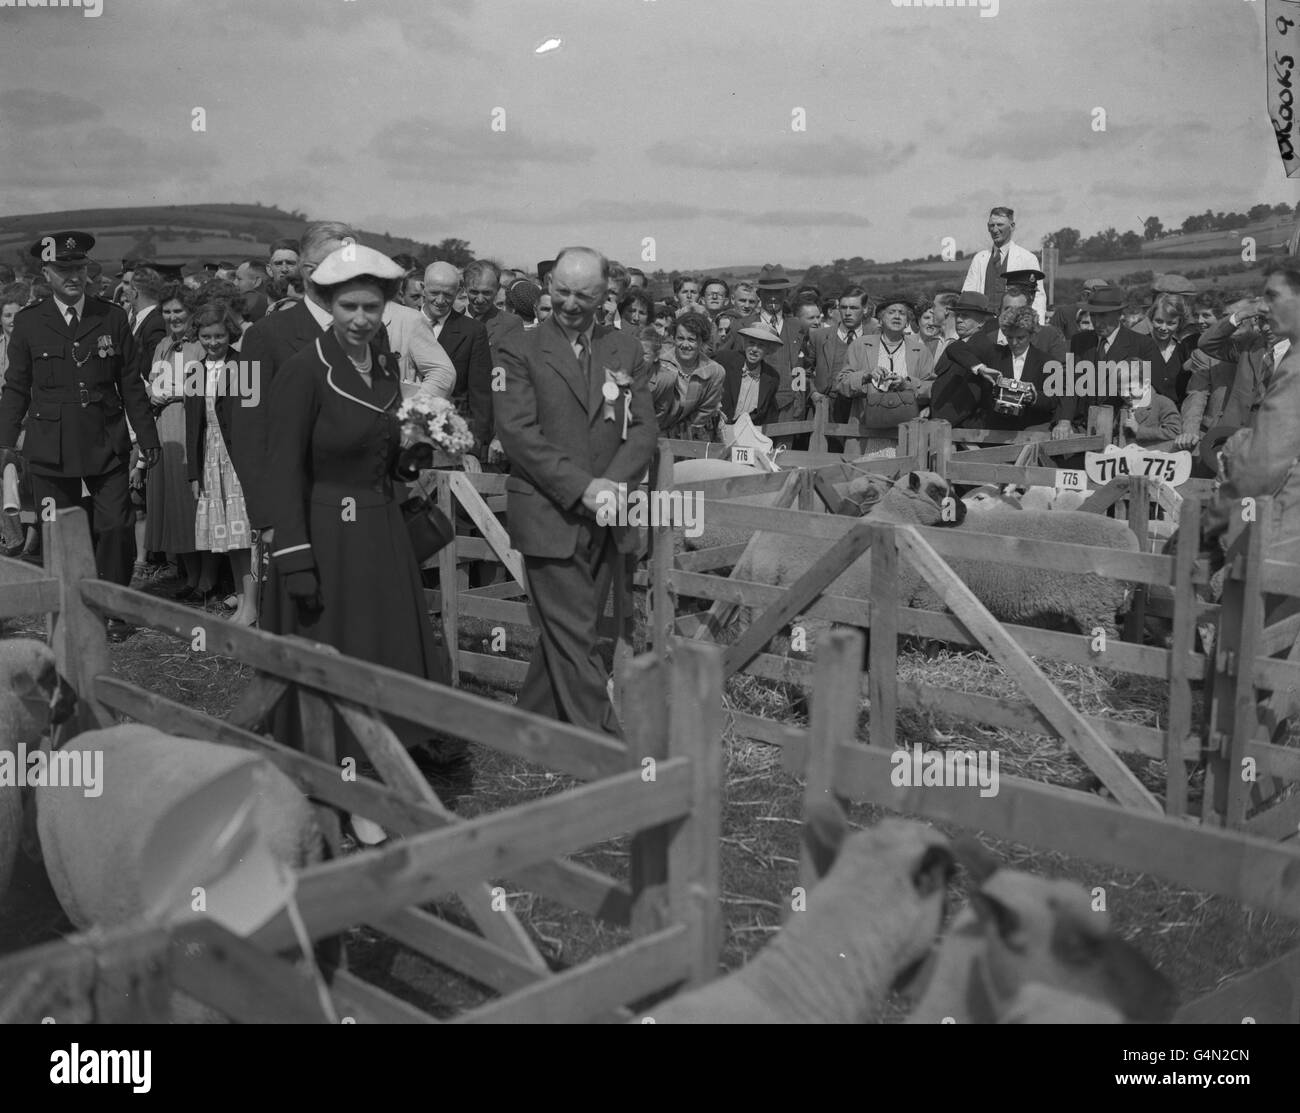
[[1196, 939]]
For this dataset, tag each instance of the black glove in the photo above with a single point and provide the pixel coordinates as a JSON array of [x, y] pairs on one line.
[[304, 589], [413, 460]]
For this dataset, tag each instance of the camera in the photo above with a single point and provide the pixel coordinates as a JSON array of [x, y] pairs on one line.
[[1011, 397]]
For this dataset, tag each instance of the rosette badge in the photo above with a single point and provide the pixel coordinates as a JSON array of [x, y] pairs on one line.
[[617, 384]]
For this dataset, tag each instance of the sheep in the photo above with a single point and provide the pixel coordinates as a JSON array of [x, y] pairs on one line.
[[1031, 950], [873, 915], [688, 474], [1012, 593], [93, 844], [33, 697]]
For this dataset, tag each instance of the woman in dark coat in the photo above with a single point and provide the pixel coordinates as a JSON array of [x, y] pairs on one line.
[[342, 568]]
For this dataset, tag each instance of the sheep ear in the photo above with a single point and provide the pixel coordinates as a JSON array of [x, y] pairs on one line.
[[1004, 919], [914, 481], [1072, 943], [824, 831]]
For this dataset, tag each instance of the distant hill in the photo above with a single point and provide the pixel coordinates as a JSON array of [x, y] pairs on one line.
[[177, 233]]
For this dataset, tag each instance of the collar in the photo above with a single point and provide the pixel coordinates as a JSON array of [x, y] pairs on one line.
[[843, 333], [393, 402], [431, 322], [322, 317], [80, 307], [1109, 340], [776, 320], [1280, 349], [1005, 248], [140, 316], [572, 338]]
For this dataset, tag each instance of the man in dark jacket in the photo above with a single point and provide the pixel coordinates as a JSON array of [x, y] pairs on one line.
[[465, 341], [74, 374]]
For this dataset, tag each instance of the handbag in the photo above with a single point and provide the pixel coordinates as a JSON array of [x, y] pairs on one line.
[[429, 528], [887, 409]]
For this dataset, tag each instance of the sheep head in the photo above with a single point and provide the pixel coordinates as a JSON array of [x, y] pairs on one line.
[[38, 696]]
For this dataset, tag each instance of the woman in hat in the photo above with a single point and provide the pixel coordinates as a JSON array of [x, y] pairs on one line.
[[887, 375], [342, 568]]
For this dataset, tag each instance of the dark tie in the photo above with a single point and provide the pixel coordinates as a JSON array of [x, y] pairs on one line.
[[1266, 368], [72, 320], [584, 356], [849, 334]]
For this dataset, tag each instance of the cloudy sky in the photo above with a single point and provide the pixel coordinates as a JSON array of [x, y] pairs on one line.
[[667, 119]]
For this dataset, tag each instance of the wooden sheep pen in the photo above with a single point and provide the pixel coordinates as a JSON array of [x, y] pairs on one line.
[[670, 901]]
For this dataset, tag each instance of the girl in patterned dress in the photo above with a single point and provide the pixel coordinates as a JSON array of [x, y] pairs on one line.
[[221, 521]]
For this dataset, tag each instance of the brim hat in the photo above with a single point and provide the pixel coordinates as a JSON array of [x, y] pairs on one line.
[[1173, 284], [1105, 299], [897, 298], [773, 277], [760, 331], [354, 260], [972, 302], [62, 247], [1094, 283], [1026, 277]]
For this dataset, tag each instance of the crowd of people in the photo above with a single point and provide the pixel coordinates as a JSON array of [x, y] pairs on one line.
[[246, 412]]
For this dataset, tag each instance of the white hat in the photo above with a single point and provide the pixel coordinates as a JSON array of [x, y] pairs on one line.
[[353, 260]]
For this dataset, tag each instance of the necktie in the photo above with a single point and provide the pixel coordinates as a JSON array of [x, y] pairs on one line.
[[584, 356], [849, 334], [1267, 368], [72, 319], [130, 319]]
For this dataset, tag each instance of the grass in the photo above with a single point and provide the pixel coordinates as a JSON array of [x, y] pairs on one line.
[[1196, 939]]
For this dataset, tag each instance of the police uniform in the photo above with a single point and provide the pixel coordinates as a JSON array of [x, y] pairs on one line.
[[75, 384]]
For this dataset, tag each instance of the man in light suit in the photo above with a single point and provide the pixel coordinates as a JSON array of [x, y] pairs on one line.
[[569, 459], [988, 267]]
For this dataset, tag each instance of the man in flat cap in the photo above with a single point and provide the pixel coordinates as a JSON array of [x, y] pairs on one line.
[[74, 375]]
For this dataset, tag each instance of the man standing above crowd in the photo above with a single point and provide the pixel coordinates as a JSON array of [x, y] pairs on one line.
[[74, 369], [577, 422], [466, 343], [987, 273]]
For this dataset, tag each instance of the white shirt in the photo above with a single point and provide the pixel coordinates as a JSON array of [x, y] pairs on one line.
[[572, 338], [139, 317], [747, 395], [322, 317], [1018, 364], [80, 308], [436, 326]]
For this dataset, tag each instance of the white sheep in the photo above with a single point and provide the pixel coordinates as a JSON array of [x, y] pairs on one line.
[[1032, 950], [93, 844], [33, 696], [690, 473], [1012, 593], [872, 916]]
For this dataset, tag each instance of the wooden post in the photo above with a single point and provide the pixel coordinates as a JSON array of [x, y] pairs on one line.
[[645, 711], [1179, 726], [317, 719], [448, 582], [821, 409], [1101, 422], [882, 667], [938, 446], [663, 612], [77, 634], [1139, 521], [807, 489], [694, 871], [837, 691]]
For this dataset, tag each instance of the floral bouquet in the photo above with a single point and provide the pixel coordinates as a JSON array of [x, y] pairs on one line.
[[426, 418]]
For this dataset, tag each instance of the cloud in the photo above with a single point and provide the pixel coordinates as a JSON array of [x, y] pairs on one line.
[[1146, 190], [807, 218], [414, 149], [109, 158], [793, 155], [1037, 136], [33, 110], [940, 212]]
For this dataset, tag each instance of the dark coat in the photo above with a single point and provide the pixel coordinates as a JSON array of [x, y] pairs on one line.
[[768, 383], [1040, 412], [552, 426], [956, 395], [267, 345], [789, 404], [465, 341], [148, 336], [75, 400], [196, 419], [1128, 346], [336, 508]]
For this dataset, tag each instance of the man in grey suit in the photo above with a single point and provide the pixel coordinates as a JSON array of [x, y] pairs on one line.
[[577, 423]]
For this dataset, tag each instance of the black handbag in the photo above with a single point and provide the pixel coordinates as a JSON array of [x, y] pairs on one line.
[[886, 409], [430, 529]]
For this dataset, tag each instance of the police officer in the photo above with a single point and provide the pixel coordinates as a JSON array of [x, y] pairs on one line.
[[74, 375]]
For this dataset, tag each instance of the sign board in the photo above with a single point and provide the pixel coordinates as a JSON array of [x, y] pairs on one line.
[[1282, 49], [743, 454], [1174, 468], [1071, 479]]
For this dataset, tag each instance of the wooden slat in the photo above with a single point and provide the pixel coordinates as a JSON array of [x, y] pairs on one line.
[[78, 636], [735, 486], [362, 1003], [397, 768], [1279, 637], [825, 571], [645, 726], [1068, 723], [1179, 727], [662, 544], [449, 582], [641, 968], [317, 721], [1251, 871], [503, 672], [492, 530], [258, 702], [569, 883], [882, 668], [705, 560], [14, 571], [1139, 521], [959, 471], [423, 866], [29, 597], [560, 746], [1268, 995]]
